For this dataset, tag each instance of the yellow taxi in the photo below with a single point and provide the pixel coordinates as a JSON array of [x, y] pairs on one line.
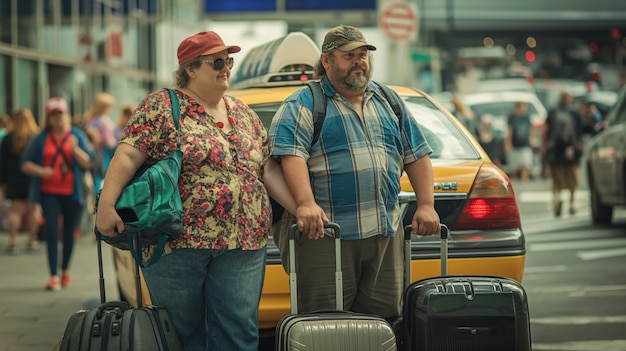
[[473, 197]]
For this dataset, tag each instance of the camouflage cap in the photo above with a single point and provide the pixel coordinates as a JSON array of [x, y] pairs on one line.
[[344, 38]]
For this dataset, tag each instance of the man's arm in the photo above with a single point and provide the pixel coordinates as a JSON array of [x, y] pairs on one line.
[[425, 220], [311, 217]]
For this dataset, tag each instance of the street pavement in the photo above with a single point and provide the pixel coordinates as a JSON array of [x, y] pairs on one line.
[[33, 319]]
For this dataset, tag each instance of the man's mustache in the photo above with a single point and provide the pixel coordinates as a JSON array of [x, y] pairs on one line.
[[362, 68]]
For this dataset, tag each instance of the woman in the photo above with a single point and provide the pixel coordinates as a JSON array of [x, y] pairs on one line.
[[15, 183], [56, 159], [101, 131], [210, 279]]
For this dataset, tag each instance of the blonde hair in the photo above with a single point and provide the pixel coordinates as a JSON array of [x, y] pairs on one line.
[[5, 122], [102, 103], [24, 129]]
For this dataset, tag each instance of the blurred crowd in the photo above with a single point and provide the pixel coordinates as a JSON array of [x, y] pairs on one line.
[[557, 144], [50, 174]]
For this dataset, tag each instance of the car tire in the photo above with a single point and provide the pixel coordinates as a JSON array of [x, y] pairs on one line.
[[600, 213]]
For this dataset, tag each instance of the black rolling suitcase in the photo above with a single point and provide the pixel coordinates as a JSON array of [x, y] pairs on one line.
[[115, 325], [327, 330], [464, 312]]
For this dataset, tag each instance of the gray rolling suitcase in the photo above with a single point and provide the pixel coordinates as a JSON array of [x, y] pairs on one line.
[[328, 330], [464, 312]]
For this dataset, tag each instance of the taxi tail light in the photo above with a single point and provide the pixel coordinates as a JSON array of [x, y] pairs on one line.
[[491, 203]]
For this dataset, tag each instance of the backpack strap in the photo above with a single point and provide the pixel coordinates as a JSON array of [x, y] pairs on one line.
[[392, 99], [319, 108]]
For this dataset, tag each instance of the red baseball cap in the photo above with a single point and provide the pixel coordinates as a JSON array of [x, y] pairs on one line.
[[202, 44], [56, 104]]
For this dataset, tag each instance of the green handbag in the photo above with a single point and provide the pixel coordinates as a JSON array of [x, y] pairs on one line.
[[150, 205]]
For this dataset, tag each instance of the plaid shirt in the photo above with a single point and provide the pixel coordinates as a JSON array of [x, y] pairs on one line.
[[356, 165]]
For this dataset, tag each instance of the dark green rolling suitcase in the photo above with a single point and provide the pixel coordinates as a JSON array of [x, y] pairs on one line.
[[464, 312], [115, 325]]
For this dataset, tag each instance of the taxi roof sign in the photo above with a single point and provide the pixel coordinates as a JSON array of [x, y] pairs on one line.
[[288, 59]]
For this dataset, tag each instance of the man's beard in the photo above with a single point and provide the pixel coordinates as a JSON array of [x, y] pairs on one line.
[[355, 82]]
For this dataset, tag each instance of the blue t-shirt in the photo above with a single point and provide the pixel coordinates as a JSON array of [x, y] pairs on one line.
[[521, 130]]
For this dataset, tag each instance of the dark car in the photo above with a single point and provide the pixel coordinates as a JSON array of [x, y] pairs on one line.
[[606, 164]]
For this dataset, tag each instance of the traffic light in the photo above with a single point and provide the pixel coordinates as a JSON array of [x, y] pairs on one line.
[[616, 33]]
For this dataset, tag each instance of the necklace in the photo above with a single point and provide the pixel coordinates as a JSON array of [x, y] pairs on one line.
[[219, 124]]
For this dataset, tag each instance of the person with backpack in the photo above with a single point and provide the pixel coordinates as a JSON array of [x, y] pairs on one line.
[[518, 141], [350, 175], [562, 148]]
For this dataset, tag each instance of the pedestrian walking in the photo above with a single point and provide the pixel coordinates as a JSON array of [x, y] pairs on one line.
[[518, 141], [562, 147], [101, 131], [56, 159], [15, 184]]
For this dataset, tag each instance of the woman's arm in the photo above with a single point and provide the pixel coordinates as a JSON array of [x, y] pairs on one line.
[[277, 186], [124, 164]]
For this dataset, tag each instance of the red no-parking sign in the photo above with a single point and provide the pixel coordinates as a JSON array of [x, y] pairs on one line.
[[398, 20]]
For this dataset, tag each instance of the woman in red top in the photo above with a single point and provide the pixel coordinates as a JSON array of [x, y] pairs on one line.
[[56, 159]]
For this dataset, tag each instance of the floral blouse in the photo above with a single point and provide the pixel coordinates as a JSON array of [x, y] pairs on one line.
[[225, 203]]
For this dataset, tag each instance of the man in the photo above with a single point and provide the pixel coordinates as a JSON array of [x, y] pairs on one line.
[[518, 141], [562, 147], [351, 176]]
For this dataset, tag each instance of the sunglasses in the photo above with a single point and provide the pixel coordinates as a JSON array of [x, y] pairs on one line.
[[219, 63]]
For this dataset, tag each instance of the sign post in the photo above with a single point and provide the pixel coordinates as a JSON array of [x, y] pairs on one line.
[[398, 20]]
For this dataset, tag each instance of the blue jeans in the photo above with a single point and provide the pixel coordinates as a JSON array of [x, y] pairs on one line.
[[212, 296], [54, 206]]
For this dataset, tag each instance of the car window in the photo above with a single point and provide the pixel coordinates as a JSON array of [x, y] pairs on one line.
[[445, 138], [443, 135]]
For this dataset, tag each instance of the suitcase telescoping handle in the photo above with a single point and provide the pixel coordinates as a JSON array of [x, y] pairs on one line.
[[103, 298], [293, 282], [443, 234]]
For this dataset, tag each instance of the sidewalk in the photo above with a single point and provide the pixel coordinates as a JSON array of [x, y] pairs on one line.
[[33, 319]]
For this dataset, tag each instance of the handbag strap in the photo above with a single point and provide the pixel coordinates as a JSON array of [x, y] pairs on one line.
[[175, 112], [135, 241]]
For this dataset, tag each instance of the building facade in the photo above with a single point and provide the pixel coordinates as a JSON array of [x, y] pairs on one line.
[[78, 48]]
